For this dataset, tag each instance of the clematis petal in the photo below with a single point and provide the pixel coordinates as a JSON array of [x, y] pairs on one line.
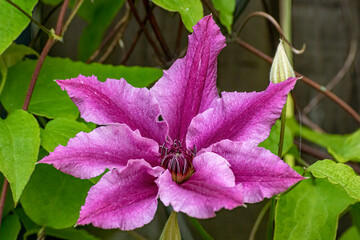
[[124, 199], [260, 173], [89, 154], [189, 86], [116, 101], [209, 189], [240, 116]]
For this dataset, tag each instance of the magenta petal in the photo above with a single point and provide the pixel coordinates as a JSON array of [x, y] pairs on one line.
[[209, 189], [189, 86], [260, 173], [89, 154], [240, 116], [116, 101], [125, 199]]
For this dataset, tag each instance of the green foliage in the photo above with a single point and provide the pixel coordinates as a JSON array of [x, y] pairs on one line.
[[13, 21], [59, 131], [239, 8], [338, 173], [99, 15], [19, 146], [171, 229], [67, 233], [48, 99], [350, 234], [3, 72], [15, 53], [70, 234], [52, 198], [52, 2], [10, 228], [191, 11], [272, 142], [310, 211], [226, 9], [355, 215], [344, 147]]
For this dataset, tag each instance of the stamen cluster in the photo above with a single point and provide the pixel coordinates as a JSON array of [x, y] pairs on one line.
[[178, 161]]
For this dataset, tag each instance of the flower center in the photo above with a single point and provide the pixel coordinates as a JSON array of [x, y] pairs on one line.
[[178, 161]]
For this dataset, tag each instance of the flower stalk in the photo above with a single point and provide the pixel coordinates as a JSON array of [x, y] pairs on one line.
[[281, 69]]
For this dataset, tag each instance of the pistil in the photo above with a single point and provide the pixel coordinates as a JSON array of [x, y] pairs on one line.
[[178, 161]]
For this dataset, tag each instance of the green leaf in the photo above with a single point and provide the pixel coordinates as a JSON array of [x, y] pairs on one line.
[[67, 233], [52, 2], [344, 147], [3, 72], [350, 234], [272, 142], [10, 228], [59, 131], [338, 173], [226, 10], [355, 215], [310, 211], [239, 8], [48, 99], [70, 234], [12, 21], [99, 15], [25, 220], [191, 11], [19, 147], [15, 53], [53, 198], [171, 229]]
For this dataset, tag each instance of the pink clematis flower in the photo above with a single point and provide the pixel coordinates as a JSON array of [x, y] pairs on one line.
[[178, 141]]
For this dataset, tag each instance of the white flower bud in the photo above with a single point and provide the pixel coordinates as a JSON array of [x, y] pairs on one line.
[[281, 68]]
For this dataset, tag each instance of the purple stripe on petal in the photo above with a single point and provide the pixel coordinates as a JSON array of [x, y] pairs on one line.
[[116, 101], [240, 116], [260, 173], [209, 189], [89, 154], [189, 86], [125, 199]]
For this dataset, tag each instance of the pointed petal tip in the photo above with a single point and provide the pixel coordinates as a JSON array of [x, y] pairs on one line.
[[189, 85]]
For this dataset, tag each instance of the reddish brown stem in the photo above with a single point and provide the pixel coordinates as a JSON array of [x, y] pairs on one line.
[[147, 34], [157, 30], [34, 77], [312, 151], [3, 196], [136, 39], [43, 55], [107, 39], [304, 79], [36, 73], [112, 46], [211, 8], [132, 47]]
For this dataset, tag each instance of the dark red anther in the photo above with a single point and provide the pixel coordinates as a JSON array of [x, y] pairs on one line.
[[178, 161]]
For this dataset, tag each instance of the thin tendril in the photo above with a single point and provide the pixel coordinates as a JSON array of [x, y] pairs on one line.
[[275, 24]]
